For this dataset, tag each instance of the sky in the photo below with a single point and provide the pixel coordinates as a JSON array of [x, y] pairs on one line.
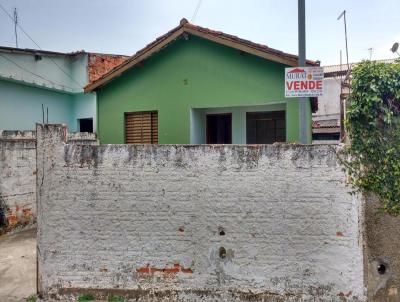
[[125, 26]]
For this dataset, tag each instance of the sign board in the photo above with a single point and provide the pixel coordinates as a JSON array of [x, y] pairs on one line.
[[304, 82]]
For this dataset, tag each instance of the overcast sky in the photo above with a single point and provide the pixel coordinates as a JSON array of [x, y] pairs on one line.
[[125, 26]]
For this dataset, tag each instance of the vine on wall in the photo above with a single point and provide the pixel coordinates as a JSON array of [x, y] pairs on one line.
[[373, 127]]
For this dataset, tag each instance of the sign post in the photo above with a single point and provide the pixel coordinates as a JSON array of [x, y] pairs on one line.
[[302, 63]]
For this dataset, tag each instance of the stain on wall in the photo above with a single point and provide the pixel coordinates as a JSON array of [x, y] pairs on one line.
[[196, 223]]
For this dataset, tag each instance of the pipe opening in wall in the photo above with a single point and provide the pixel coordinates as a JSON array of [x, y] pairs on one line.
[[222, 252], [221, 232], [381, 269]]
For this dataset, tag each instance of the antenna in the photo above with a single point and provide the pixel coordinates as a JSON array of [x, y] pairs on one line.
[[15, 26], [343, 14], [371, 50], [196, 11]]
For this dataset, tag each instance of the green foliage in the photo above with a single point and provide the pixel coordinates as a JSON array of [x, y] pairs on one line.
[[373, 126], [113, 298], [86, 297], [31, 298]]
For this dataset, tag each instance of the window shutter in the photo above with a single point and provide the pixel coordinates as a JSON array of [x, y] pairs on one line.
[[141, 128]]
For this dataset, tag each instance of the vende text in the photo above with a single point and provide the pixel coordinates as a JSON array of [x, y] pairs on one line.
[[303, 85]]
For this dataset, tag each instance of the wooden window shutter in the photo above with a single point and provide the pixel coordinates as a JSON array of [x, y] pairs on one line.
[[141, 127]]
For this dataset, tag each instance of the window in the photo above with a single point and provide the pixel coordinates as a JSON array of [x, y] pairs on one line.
[[266, 127], [219, 128], [141, 127], [85, 124]]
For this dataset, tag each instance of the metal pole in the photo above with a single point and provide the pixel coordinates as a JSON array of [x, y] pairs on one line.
[[15, 26], [345, 34], [302, 63]]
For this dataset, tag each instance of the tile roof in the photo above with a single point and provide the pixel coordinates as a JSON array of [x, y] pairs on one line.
[[100, 64], [216, 36], [333, 123], [336, 70]]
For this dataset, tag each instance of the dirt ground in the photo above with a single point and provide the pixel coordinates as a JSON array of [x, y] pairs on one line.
[[17, 266]]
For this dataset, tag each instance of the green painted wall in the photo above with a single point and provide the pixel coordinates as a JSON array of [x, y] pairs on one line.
[[188, 74]]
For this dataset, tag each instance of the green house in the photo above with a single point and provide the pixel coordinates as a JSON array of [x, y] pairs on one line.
[[194, 85]]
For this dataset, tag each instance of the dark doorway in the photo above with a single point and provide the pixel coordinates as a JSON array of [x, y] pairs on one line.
[[219, 128], [266, 127], [85, 125]]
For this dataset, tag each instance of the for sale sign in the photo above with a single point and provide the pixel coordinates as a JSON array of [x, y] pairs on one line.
[[304, 81]]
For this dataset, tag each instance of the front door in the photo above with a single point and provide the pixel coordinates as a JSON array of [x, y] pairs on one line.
[[265, 127], [219, 128]]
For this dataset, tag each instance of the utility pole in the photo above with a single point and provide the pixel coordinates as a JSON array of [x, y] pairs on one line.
[[15, 26], [302, 63]]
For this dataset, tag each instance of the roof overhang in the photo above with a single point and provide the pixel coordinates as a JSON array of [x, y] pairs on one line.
[[217, 37]]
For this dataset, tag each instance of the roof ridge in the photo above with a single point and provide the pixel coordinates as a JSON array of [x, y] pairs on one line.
[[217, 36]]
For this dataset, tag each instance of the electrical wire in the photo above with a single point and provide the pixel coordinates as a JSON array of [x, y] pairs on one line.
[[80, 85], [31, 72], [196, 11]]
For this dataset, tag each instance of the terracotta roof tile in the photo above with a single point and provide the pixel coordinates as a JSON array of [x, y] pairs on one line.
[[185, 26], [100, 64]]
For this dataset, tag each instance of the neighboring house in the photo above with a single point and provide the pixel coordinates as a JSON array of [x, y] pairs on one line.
[[30, 78], [195, 85], [326, 120]]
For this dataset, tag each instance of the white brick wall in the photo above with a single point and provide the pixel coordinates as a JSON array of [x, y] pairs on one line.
[[146, 221], [18, 176], [17, 180]]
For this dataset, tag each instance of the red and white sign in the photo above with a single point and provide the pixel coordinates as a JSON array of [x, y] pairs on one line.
[[304, 82]]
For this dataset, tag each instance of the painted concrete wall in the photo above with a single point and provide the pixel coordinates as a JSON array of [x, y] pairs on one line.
[[196, 223], [198, 121], [382, 249], [17, 179], [46, 72], [29, 84], [329, 103], [85, 106], [21, 106], [187, 74], [18, 176]]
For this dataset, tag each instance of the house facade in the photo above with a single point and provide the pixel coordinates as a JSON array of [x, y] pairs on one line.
[[31, 78], [194, 85]]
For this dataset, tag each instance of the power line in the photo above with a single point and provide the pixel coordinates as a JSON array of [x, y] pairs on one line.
[[80, 85], [31, 72], [196, 11]]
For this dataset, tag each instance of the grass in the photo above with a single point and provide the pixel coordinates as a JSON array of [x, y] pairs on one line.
[[31, 298], [113, 298], [84, 298]]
